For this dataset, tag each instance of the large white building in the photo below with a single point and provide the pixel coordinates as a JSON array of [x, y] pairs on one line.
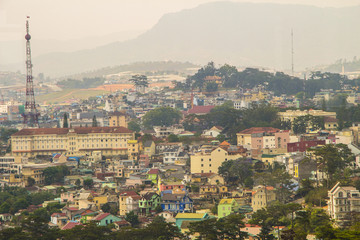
[[343, 202]]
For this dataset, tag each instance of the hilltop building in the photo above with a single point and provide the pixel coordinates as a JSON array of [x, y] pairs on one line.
[[71, 141]]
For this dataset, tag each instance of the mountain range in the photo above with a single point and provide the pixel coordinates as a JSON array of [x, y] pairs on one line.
[[241, 34]]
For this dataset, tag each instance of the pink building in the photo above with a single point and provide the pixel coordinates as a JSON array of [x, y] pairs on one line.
[[67, 197], [282, 138], [144, 161]]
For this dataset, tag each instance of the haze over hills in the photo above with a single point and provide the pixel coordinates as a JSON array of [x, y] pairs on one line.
[[242, 34], [12, 51]]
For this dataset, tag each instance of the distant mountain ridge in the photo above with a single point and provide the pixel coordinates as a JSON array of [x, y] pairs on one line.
[[242, 34]]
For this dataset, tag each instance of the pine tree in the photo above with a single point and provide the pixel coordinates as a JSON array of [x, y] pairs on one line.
[[94, 122], [65, 124]]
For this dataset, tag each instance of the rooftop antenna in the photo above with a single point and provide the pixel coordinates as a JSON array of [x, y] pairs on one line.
[[292, 52]]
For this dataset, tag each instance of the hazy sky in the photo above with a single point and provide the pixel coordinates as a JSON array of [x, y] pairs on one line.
[[67, 19]]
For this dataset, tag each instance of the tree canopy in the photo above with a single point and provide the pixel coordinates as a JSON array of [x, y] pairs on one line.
[[161, 116]]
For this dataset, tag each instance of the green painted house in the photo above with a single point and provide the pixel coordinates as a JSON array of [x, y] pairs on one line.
[[148, 203], [226, 207], [104, 219], [153, 175]]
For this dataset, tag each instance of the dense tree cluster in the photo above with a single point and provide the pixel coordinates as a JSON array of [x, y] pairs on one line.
[[13, 199], [161, 116], [5, 133], [234, 121], [302, 123], [217, 229], [334, 161], [36, 226], [55, 174], [279, 82]]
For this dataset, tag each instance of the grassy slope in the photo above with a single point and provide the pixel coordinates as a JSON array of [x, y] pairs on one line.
[[68, 94]]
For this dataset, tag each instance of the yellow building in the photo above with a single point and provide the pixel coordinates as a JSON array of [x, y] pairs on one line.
[[12, 180], [118, 119], [210, 163], [35, 172], [208, 189], [128, 201], [99, 201], [149, 148], [290, 115], [71, 141], [133, 149], [262, 196]]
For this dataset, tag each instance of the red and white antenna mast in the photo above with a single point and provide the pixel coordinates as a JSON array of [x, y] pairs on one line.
[[30, 114]]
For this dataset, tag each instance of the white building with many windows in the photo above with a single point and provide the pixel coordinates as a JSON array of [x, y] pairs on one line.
[[343, 202]]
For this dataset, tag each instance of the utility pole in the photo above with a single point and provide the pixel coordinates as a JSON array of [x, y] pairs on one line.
[[30, 114]]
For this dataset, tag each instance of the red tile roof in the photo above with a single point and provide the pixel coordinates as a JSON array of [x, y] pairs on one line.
[[101, 216], [70, 225], [153, 171], [78, 130], [122, 223], [224, 143], [60, 214], [251, 225], [73, 208], [330, 119], [260, 130], [200, 109]]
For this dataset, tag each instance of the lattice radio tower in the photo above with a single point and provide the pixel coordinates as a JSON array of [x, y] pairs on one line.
[[30, 114]]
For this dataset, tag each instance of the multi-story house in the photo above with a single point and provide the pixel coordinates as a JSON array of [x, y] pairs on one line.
[[226, 207], [71, 141], [263, 137], [118, 119], [204, 162], [262, 196], [149, 148], [133, 149], [153, 175], [161, 132], [144, 161], [176, 203], [35, 172], [128, 201], [343, 202], [148, 203], [175, 155], [10, 164]]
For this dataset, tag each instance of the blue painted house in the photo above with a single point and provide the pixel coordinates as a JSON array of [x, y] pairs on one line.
[[104, 219], [177, 203]]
